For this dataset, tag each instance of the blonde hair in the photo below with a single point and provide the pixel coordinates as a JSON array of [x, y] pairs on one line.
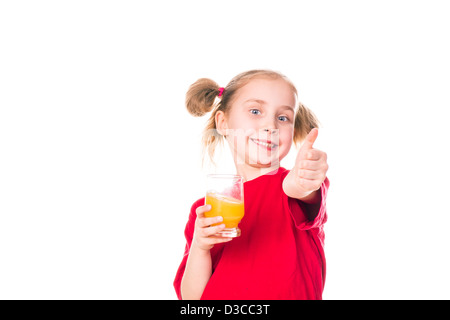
[[201, 99]]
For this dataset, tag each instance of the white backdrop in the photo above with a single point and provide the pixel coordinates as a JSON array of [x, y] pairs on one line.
[[100, 162]]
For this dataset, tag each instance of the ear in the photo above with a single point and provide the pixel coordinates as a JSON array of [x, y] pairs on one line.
[[221, 122]]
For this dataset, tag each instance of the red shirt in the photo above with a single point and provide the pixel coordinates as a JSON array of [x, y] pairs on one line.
[[279, 254]]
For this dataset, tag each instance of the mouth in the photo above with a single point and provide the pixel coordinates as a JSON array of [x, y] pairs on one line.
[[265, 144]]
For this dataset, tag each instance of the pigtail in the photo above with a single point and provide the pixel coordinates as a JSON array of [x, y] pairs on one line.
[[305, 121], [201, 96]]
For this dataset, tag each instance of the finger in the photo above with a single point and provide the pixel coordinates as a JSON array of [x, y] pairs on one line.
[[201, 210], [211, 241], [310, 165], [315, 154], [310, 139], [211, 231], [206, 222], [310, 184], [310, 174]]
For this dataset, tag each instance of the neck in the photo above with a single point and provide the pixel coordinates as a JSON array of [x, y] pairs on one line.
[[251, 172]]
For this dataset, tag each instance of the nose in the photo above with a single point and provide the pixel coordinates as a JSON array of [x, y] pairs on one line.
[[272, 131], [269, 125]]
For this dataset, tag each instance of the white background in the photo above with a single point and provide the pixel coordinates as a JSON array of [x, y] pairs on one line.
[[100, 162]]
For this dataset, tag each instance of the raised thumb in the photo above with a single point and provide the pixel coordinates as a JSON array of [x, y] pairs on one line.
[[310, 139]]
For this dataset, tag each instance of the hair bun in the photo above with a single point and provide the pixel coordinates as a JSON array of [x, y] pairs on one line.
[[201, 96]]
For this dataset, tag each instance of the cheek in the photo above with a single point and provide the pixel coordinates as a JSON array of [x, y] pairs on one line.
[[285, 142], [286, 137], [238, 139], [242, 122]]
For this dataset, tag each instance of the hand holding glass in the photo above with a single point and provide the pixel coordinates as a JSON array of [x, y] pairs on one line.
[[225, 194]]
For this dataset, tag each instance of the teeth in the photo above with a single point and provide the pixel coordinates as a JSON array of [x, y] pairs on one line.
[[265, 144]]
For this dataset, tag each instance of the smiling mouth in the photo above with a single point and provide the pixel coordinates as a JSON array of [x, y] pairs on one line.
[[266, 144]]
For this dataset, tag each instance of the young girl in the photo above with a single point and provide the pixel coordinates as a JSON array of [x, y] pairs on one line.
[[279, 254]]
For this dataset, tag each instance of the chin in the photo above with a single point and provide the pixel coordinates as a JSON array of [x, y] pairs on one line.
[[263, 162]]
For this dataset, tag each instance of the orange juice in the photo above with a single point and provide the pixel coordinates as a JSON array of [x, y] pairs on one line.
[[232, 210]]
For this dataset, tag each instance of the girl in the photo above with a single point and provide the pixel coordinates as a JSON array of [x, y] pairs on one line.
[[279, 254]]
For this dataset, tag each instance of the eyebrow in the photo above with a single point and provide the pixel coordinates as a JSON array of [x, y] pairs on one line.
[[264, 102]]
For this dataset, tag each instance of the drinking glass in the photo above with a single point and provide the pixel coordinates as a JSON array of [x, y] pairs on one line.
[[225, 194]]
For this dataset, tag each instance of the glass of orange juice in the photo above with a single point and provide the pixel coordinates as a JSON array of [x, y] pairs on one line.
[[225, 194]]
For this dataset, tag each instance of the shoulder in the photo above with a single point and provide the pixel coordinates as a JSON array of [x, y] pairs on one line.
[[283, 172], [195, 205], [277, 177], [189, 229]]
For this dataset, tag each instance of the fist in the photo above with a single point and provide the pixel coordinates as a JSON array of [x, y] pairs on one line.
[[309, 171], [311, 164], [205, 233]]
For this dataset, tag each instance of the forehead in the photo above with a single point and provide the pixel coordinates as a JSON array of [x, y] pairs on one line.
[[273, 91]]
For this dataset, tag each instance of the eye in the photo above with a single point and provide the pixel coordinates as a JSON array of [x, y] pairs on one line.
[[255, 111], [283, 118]]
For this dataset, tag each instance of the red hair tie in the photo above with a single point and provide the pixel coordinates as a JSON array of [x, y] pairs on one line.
[[221, 91]]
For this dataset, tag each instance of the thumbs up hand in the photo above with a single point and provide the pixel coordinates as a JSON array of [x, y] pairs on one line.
[[309, 171]]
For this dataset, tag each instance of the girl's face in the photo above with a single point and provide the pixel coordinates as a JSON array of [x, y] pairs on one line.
[[259, 126]]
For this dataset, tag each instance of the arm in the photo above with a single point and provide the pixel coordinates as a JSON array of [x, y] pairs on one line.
[[199, 266], [197, 274]]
